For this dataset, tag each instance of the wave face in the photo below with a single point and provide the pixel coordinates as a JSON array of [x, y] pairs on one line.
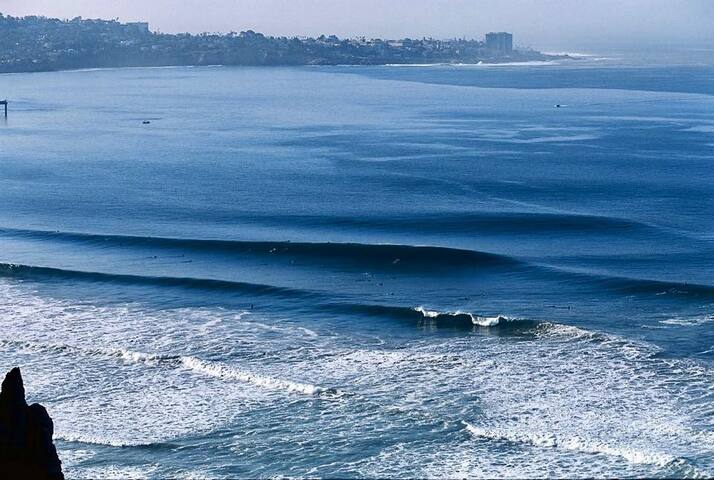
[[359, 254], [29, 271], [430, 269]]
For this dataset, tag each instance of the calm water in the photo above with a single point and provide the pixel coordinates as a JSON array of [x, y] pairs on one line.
[[350, 272]]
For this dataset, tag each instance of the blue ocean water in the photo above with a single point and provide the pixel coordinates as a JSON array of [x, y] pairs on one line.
[[364, 271]]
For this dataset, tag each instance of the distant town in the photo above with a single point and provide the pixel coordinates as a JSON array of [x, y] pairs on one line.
[[35, 43]]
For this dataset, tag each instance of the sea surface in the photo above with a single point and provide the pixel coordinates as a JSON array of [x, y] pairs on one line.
[[422, 271]]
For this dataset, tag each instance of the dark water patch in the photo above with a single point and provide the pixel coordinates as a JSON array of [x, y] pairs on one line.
[[680, 79], [485, 223], [662, 288], [635, 286]]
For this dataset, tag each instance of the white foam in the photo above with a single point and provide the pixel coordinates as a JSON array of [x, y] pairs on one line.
[[688, 321], [478, 320], [531, 63], [136, 357], [427, 313], [549, 440], [565, 331], [629, 349], [96, 440], [592, 404], [572, 54], [488, 321], [116, 472], [231, 373], [220, 370], [417, 65], [191, 363]]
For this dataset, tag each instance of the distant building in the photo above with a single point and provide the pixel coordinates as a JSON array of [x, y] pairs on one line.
[[500, 41], [137, 28]]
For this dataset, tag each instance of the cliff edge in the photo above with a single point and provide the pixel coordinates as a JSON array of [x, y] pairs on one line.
[[26, 448]]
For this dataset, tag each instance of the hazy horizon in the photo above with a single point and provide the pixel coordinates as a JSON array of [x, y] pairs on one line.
[[546, 24]]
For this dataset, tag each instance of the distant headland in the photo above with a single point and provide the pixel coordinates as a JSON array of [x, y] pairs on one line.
[[33, 44]]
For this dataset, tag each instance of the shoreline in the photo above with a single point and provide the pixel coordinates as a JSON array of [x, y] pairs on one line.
[[530, 63]]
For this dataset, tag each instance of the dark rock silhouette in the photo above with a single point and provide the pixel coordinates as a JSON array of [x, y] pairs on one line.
[[26, 448]]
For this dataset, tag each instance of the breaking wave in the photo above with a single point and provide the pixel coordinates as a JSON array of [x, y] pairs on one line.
[[225, 372], [29, 271], [386, 255], [481, 321], [548, 440], [191, 363]]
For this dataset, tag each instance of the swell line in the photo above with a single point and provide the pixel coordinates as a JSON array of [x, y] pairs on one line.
[[29, 271], [466, 222], [358, 253], [631, 285], [617, 284]]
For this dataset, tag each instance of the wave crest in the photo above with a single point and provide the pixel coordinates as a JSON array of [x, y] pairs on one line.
[[478, 320], [231, 373]]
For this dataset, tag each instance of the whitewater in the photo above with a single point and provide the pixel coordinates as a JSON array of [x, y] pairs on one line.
[[427, 271]]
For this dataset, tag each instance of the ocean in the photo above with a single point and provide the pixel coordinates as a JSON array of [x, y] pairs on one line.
[[421, 271]]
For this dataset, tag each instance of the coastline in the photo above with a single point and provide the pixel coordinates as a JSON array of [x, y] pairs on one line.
[[532, 63]]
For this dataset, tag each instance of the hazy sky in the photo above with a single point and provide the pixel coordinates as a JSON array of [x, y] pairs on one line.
[[538, 23]]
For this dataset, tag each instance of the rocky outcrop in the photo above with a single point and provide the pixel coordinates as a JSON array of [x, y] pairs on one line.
[[26, 448]]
